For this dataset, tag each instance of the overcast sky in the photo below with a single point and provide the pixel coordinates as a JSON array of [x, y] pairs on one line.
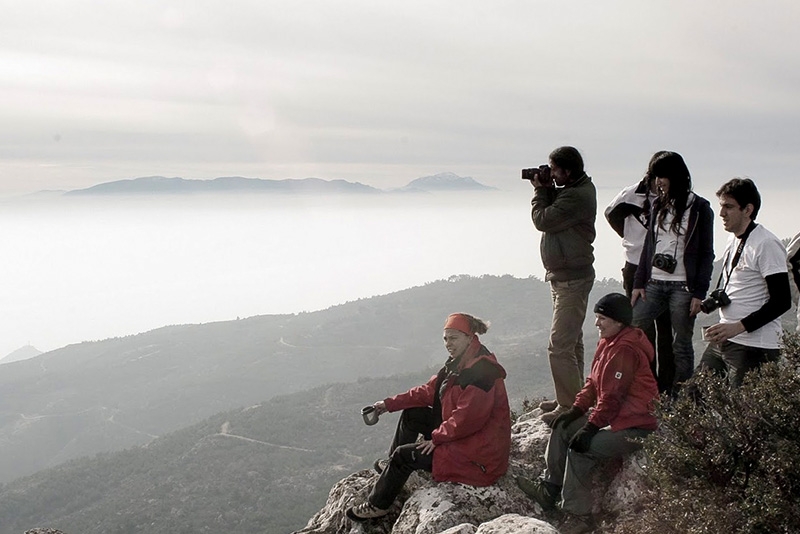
[[384, 92]]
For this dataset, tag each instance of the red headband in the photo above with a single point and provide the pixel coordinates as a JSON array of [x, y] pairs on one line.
[[459, 322]]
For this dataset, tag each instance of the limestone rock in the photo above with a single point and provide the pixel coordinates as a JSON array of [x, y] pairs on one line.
[[427, 507], [529, 436], [434, 508], [464, 528], [627, 485], [516, 524], [505, 524]]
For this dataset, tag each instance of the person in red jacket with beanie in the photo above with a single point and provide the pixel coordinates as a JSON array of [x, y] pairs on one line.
[[608, 418], [463, 415]]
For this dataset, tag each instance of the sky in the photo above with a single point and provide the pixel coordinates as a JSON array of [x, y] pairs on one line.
[[385, 92], [374, 92]]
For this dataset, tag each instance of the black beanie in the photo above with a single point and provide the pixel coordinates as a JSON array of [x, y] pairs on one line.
[[615, 306]]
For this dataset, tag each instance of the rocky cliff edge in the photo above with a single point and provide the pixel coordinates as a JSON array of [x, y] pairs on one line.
[[427, 507]]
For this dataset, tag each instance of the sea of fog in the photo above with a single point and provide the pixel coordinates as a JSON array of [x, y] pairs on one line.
[[77, 269]]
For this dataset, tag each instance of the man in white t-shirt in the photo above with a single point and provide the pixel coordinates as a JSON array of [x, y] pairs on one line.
[[753, 289]]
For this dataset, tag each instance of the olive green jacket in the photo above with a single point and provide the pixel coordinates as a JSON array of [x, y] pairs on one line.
[[566, 217]]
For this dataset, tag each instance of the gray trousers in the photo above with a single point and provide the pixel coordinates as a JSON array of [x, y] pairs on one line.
[[572, 471], [565, 349]]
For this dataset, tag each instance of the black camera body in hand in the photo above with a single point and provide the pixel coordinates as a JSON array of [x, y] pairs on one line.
[[665, 262], [716, 299], [542, 172]]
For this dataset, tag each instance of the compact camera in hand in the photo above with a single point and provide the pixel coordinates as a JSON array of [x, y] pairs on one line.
[[716, 299], [542, 172], [665, 262]]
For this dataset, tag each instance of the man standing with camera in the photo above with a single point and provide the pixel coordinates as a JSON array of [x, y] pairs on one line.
[[564, 207], [752, 291]]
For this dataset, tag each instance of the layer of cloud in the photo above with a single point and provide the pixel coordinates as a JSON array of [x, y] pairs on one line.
[[92, 91]]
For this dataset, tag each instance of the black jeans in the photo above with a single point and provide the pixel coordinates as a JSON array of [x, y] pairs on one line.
[[734, 360], [404, 458]]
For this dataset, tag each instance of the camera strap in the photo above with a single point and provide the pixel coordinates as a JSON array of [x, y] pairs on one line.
[[736, 257], [655, 238]]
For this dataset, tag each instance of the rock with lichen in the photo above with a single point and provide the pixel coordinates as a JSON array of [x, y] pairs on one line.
[[427, 507]]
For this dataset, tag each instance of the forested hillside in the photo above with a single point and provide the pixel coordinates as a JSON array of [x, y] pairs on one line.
[[264, 468]]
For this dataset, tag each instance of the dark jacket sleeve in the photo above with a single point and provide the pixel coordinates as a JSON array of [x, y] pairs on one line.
[[555, 210], [705, 253], [645, 266], [617, 215]]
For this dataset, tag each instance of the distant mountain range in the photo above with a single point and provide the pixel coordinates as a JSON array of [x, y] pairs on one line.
[[446, 181]]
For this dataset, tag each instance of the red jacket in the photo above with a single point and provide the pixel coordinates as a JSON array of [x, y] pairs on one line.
[[620, 385], [474, 440]]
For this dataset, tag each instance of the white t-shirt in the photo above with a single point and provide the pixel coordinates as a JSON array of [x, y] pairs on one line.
[[667, 242], [763, 255]]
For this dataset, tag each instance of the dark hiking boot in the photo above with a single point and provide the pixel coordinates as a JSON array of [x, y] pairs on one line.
[[544, 493], [364, 511], [577, 524], [380, 465]]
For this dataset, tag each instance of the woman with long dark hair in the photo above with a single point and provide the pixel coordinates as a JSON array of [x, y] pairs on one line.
[[629, 216], [675, 267]]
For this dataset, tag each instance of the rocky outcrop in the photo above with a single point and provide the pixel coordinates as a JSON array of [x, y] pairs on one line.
[[426, 507]]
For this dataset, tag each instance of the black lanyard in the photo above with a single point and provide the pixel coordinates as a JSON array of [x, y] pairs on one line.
[[736, 257]]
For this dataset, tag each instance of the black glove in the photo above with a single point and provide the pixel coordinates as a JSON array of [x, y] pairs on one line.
[[567, 417], [583, 437]]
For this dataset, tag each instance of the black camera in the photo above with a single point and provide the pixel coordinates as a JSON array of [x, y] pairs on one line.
[[542, 172], [665, 262], [716, 299]]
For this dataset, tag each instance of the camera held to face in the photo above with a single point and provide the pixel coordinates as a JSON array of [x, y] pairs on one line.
[[716, 299], [665, 262], [542, 172]]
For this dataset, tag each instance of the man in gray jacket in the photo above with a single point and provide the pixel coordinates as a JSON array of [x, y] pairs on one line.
[[564, 208]]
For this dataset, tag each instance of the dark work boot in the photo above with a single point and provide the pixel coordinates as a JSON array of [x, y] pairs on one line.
[[544, 493]]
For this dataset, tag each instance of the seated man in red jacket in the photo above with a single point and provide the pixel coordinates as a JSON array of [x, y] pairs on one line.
[[462, 414], [621, 390]]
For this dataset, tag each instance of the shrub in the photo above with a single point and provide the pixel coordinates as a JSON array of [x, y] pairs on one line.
[[727, 460]]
